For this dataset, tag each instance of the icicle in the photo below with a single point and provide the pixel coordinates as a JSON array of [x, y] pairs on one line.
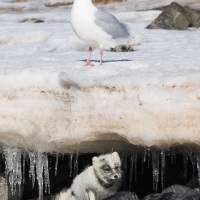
[[149, 156], [46, 174], [155, 169], [173, 156], [39, 171], [144, 159], [42, 165], [39, 161], [56, 164], [13, 167], [142, 164], [23, 164], [70, 164], [145, 154], [135, 162], [185, 164], [131, 171], [0, 161], [32, 158], [75, 164], [193, 160], [198, 167], [163, 168]]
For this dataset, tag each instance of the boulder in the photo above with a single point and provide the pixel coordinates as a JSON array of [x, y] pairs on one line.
[[193, 183], [179, 189], [175, 192], [176, 17], [123, 195]]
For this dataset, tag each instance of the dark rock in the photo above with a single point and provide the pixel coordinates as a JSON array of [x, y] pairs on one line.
[[175, 192], [39, 21], [193, 17], [172, 196], [177, 17], [32, 20], [193, 183], [122, 48], [152, 197], [123, 195], [179, 189], [58, 4], [106, 1]]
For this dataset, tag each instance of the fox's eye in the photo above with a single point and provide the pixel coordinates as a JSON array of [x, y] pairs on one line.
[[106, 168], [116, 167]]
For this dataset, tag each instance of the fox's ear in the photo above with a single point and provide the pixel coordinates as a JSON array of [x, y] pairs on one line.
[[94, 159], [115, 154]]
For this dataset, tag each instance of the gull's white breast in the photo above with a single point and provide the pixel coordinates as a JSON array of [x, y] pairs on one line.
[[83, 23]]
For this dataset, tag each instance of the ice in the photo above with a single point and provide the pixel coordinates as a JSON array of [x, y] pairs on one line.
[[0, 160], [155, 168], [15, 160], [198, 167], [23, 164], [51, 103], [56, 163], [39, 168], [145, 154], [163, 168], [47, 95], [39, 173], [75, 164], [173, 155], [142, 162], [46, 174], [193, 159], [32, 167], [70, 164], [13, 167], [185, 164], [131, 170], [148, 157], [135, 166], [42, 172]]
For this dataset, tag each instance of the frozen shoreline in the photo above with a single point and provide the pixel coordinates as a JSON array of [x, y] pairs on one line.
[[51, 102]]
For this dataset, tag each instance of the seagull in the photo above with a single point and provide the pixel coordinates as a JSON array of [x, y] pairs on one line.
[[97, 28]]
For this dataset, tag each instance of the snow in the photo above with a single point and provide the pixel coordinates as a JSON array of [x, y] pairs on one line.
[[50, 102]]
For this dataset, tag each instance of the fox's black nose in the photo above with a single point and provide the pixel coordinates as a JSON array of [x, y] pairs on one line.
[[115, 176]]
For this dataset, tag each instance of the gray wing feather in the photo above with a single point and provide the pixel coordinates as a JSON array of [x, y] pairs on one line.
[[111, 25]]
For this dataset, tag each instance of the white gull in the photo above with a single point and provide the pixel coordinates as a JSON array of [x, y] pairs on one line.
[[97, 28]]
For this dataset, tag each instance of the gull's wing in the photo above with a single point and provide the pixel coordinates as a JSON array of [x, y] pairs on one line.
[[111, 25]]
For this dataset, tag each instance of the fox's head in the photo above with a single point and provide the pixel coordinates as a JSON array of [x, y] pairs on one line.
[[108, 167]]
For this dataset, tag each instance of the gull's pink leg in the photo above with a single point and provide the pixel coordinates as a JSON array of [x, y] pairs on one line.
[[88, 63], [101, 55]]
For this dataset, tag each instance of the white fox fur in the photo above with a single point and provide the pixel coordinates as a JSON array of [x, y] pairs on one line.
[[96, 182]]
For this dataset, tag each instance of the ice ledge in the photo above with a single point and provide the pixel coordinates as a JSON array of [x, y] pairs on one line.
[[71, 110]]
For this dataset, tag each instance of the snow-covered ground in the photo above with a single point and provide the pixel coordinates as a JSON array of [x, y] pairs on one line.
[[50, 102]]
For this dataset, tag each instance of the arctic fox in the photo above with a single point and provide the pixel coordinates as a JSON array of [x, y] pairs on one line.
[[96, 182]]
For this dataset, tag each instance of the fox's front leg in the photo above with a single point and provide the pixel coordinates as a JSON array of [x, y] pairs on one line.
[[90, 195]]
